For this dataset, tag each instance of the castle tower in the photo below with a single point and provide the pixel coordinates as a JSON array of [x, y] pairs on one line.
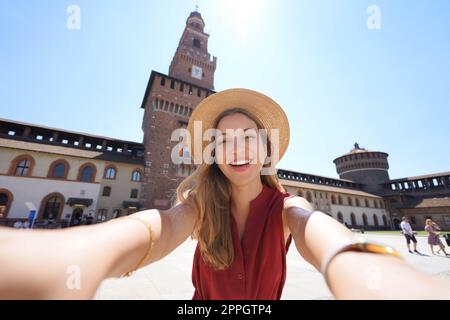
[[169, 100], [367, 167], [191, 61]]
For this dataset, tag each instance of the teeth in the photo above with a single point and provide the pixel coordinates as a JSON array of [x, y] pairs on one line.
[[240, 163]]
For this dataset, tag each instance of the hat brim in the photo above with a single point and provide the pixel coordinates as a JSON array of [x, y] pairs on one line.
[[267, 111]]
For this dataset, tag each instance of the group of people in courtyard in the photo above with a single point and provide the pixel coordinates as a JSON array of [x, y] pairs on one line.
[[434, 232]]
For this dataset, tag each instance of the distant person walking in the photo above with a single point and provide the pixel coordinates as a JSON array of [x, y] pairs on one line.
[[433, 236], [409, 234]]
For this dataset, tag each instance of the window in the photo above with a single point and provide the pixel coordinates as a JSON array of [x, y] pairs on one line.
[[22, 166], [353, 219], [308, 196], [385, 221], [110, 173], [51, 206], [106, 191], [350, 202], [364, 219], [333, 199], [375, 220], [366, 202], [357, 202], [163, 81], [197, 43], [435, 182], [340, 217], [87, 173], [136, 175], [59, 169], [134, 193]]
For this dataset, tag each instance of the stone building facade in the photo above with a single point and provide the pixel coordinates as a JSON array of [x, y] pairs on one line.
[[66, 177]]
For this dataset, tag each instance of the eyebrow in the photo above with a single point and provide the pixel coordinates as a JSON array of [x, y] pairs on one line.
[[224, 134]]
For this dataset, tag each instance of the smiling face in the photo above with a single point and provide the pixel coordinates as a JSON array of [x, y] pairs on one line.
[[237, 149]]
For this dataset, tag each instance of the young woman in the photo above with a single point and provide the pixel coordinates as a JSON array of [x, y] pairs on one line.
[[433, 236], [237, 210]]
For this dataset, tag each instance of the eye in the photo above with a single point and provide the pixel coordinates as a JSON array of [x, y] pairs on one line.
[[222, 141]]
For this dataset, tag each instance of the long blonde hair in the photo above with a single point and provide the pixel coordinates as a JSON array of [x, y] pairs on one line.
[[209, 192]]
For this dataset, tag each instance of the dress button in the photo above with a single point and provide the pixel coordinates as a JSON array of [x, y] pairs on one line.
[[239, 276]]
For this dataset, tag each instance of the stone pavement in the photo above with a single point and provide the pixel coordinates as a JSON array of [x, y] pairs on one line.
[[170, 278]]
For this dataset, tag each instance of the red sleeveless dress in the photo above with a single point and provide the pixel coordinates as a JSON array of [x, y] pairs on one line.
[[258, 271]]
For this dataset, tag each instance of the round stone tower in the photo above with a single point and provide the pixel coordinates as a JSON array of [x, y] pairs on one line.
[[364, 166]]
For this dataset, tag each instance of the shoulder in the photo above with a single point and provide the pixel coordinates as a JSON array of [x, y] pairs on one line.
[[296, 202], [296, 208], [182, 215]]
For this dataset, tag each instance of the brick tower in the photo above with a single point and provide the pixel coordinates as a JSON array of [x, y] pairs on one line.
[[168, 102], [369, 168]]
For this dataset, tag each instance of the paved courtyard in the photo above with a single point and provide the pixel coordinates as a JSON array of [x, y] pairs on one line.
[[170, 278]]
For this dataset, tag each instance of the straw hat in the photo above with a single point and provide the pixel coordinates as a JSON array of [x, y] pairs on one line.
[[269, 113]]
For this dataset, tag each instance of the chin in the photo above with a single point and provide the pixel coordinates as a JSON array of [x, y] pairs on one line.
[[242, 178]]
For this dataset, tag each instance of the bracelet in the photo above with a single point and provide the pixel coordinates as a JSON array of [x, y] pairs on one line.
[[358, 245], [150, 245]]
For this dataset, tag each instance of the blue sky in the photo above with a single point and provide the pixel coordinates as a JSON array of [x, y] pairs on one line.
[[338, 81]]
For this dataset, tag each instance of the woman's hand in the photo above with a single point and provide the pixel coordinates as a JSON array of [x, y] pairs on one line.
[[355, 275], [71, 263]]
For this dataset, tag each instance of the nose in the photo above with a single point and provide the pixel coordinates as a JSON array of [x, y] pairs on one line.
[[240, 153]]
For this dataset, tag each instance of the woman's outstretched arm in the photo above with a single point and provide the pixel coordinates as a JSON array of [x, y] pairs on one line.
[[71, 263], [356, 275]]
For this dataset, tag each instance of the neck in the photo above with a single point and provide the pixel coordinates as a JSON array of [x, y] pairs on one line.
[[241, 196]]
